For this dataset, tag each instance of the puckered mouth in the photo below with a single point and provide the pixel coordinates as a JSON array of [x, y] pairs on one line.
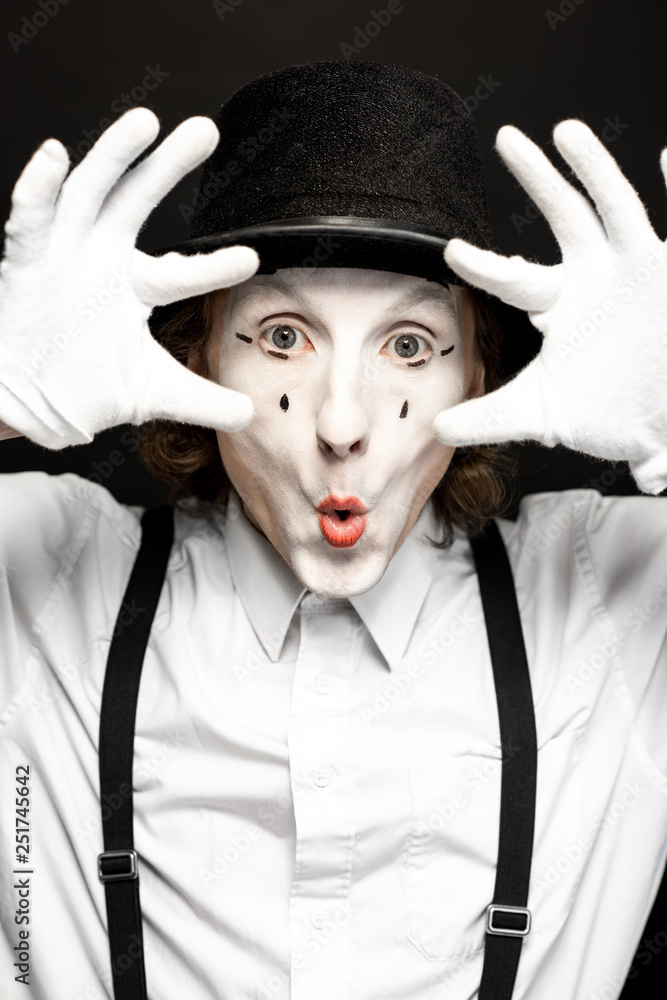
[[342, 507]]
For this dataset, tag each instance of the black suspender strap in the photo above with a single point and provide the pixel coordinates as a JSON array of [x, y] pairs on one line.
[[117, 865], [508, 920]]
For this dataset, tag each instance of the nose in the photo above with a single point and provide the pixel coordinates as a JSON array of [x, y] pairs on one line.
[[342, 424]]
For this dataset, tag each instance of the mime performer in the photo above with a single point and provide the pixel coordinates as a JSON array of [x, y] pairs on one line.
[[331, 726]]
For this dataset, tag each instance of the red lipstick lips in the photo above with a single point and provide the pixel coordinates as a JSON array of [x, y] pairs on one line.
[[342, 520]]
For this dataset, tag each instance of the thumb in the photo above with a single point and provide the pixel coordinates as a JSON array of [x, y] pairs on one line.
[[650, 474], [516, 281], [161, 280], [173, 392], [514, 412]]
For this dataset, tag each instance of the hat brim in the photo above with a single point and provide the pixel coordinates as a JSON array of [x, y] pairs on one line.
[[335, 242]]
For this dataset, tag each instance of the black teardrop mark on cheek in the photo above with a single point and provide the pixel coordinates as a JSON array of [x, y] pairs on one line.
[[447, 351], [284, 402], [242, 336], [279, 354], [404, 409]]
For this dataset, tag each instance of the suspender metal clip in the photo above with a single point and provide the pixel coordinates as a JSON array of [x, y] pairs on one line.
[[513, 921], [114, 865]]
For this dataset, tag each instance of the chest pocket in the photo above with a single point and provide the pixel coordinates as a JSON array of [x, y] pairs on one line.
[[453, 845]]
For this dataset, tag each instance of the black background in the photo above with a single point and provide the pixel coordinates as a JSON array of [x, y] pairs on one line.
[[599, 60]]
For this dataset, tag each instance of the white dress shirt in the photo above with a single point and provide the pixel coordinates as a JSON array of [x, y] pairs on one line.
[[317, 780]]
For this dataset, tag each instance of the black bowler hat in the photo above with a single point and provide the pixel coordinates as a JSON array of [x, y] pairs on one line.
[[343, 164], [369, 164]]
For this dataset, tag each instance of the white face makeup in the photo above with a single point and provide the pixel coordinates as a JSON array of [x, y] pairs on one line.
[[347, 369]]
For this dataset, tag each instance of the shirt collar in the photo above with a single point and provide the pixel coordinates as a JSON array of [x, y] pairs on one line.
[[268, 589], [270, 592]]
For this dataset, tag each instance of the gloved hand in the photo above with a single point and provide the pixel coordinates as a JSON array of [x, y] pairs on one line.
[[599, 383], [76, 354]]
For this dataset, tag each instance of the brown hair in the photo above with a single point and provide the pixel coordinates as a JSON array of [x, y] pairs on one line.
[[478, 484]]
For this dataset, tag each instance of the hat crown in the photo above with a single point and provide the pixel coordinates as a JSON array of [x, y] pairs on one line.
[[345, 139]]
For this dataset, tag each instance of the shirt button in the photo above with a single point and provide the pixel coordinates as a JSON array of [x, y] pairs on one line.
[[324, 684], [318, 917], [322, 777]]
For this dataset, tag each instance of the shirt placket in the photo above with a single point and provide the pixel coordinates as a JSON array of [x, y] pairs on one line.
[[320, 914]]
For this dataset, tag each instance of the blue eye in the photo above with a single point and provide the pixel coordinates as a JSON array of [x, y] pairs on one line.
[[284, 336], [407, 345]]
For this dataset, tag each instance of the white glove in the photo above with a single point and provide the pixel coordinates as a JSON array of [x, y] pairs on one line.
[[76, 354], [599, 383]]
